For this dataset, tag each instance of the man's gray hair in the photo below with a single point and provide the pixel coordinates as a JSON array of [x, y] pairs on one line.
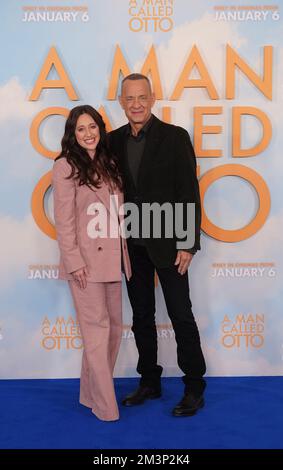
[[136, 76]]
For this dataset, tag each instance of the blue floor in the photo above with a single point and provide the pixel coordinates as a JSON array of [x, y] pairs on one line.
[[240, 413]]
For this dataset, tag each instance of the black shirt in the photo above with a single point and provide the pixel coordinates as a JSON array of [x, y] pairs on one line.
[[135, 149]]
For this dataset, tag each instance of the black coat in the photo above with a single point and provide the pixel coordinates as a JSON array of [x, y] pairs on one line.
[[167, 173]]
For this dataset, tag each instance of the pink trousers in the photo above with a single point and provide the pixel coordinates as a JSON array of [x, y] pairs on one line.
[[99, 312]]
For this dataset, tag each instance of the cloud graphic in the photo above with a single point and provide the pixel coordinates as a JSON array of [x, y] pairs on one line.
[[14, 102]]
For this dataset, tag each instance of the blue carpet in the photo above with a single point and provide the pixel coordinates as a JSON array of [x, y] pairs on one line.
[[240, 413]]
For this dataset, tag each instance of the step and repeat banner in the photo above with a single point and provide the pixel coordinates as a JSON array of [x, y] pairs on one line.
[[216, 68]]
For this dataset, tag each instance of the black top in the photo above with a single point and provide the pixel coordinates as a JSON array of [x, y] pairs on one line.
[[135, 148], [167, 173]]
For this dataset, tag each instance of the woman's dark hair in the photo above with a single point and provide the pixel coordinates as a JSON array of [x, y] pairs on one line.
[[89, 171]]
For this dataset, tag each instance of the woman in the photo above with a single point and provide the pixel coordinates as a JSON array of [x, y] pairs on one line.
[[85, 181]]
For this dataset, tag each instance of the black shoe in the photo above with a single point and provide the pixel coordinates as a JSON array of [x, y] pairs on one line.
[[142, 394], [189, 405]]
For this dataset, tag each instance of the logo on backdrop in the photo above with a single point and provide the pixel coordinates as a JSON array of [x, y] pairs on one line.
[[65, 333], [247, 270], [233, 62], [55, 14], [151, 16], [244, 331], [61, 334], [43, 271], [254, 13]]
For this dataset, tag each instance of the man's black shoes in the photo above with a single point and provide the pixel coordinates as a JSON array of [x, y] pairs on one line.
[[189, 405], [142, 394]]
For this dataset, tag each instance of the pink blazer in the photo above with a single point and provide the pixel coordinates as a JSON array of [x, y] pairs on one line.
[[75, 221]]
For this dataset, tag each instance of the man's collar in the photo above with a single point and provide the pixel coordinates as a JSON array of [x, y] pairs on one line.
[[143, 130]]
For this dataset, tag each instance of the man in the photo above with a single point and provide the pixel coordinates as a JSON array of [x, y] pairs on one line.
[[158, 165]]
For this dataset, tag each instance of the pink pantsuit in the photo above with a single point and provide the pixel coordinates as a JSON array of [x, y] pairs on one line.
[[99, 306]]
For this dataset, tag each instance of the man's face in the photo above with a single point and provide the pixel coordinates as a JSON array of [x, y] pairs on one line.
[[137, 100]]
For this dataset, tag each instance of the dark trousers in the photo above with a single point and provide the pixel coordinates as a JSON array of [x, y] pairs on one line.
[[141, 291]]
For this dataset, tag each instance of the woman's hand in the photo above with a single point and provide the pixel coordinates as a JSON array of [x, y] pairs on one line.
[[80, 277]]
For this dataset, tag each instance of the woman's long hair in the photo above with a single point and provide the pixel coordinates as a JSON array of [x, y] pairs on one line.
[[91, 172]]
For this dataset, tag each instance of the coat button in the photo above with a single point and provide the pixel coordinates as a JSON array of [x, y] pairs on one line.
[[99, 248]]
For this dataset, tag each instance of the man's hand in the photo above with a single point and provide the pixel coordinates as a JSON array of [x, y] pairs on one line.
[[183, 259], [80, 277]]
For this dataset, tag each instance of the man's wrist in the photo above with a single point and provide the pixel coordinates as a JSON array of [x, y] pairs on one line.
[[192, 251]]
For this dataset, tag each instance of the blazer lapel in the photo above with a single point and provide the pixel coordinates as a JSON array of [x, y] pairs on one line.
[[153, 139], [124, 159], [103, 194]]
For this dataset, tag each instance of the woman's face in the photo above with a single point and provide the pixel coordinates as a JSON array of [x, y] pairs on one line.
[[87, 133]]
